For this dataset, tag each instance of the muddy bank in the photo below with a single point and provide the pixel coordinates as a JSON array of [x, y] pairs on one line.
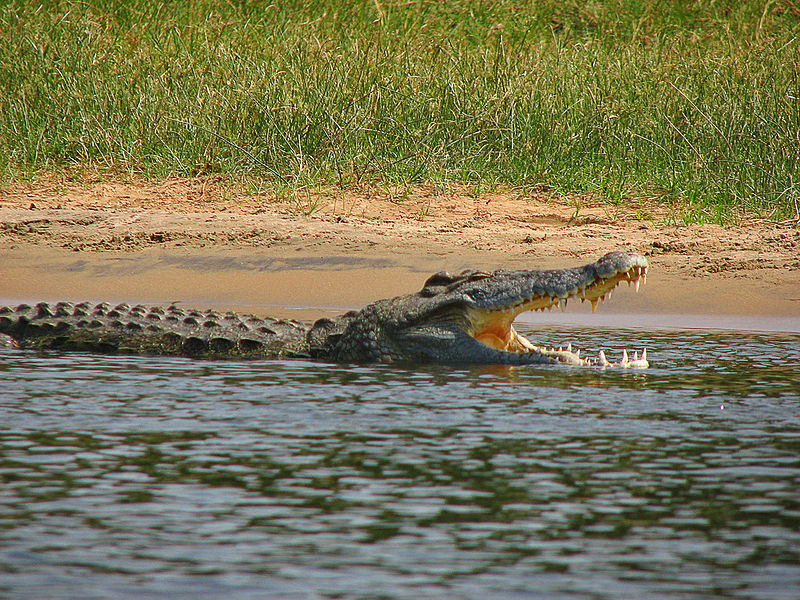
[[199, 243]]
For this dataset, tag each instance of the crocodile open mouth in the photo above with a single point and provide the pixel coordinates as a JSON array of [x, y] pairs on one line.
[[494, 327]]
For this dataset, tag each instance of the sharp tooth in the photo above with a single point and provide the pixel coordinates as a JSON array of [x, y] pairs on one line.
[[562, 304], [594, 304], [625, 360], [601, 359], [569, 347], [578, 352], [636, 285], [637, 362], [608, 295]]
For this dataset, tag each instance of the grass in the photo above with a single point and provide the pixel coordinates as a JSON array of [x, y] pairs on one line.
[[690, 102]]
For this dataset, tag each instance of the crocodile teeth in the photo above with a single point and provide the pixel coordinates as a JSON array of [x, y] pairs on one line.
[[638, 362], [636, 285], [594, 304]]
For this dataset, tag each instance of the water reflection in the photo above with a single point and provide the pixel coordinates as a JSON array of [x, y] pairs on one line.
[[126, 477]]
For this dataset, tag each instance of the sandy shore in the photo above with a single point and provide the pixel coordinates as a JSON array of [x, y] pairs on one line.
[[202, 243]]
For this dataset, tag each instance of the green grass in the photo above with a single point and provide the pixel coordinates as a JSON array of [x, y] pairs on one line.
[[690, 101]]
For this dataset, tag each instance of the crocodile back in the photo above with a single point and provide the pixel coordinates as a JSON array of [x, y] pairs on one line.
[[156, 330]]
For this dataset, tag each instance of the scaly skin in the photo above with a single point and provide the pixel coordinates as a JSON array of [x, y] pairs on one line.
[[153, 330], [465, 318]]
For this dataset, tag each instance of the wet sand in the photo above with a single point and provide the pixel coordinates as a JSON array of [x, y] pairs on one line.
[[308, 287]]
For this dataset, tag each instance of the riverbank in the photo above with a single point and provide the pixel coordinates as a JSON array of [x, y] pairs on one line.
[[198, 242]]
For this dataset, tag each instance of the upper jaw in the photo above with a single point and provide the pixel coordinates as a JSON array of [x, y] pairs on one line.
[[519, 291]]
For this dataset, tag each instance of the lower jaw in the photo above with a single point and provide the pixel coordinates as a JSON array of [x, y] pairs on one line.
[[504, 338], [566, 356]]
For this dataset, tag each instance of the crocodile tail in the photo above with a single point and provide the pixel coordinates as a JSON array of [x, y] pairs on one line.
[[59, 326], [13, 323]]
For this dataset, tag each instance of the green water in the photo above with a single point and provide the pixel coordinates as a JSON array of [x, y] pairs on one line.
[[127, 477]]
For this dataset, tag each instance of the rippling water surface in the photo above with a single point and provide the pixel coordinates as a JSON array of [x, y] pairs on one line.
[[169, 478]]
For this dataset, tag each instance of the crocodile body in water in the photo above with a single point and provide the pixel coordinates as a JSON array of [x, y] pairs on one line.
[[463, 318]]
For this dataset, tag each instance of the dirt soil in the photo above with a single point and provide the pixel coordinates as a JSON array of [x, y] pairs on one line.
[[751, 267]]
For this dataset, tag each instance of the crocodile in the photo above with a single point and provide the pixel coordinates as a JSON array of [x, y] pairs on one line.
[[455, 318]]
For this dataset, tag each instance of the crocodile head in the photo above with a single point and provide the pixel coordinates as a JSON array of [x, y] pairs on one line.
[[468, 318]]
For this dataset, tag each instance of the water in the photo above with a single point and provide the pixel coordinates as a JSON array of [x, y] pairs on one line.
[[127, 477]]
